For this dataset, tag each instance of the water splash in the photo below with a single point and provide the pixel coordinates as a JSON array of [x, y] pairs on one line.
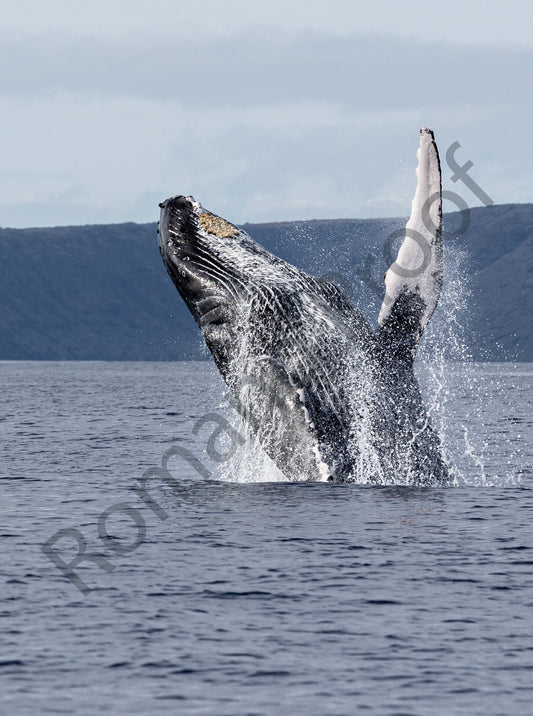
[[450, 382], [250, 463]]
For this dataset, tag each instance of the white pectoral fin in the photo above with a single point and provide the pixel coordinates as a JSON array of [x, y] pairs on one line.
[[414, 281]]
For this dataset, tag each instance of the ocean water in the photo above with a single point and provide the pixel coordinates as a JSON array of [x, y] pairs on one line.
[[216, 587]]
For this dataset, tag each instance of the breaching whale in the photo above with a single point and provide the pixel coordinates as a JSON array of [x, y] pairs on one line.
[[327, 398]]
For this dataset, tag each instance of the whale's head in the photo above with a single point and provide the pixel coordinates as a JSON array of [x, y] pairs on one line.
[[213, 264]]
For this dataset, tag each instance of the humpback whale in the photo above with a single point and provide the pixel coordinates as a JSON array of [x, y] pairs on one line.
[[327, 397]]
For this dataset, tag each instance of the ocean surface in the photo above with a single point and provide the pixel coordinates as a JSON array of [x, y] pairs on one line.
[[153, 563]]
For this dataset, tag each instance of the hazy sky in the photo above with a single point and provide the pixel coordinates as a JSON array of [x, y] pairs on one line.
[[263, 111]]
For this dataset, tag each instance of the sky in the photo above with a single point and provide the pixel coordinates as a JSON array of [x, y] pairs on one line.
[[275, 111]]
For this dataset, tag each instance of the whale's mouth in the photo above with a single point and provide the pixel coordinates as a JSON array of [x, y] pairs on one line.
[[189, 242], [178, 225]]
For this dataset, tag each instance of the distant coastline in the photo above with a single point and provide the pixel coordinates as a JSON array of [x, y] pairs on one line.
[[100, 292]]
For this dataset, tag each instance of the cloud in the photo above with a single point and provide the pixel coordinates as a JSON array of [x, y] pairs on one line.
[[82, 159], [258, 125], [248, 69]]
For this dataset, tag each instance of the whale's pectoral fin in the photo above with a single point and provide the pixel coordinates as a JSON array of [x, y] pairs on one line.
[[414, 281]]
